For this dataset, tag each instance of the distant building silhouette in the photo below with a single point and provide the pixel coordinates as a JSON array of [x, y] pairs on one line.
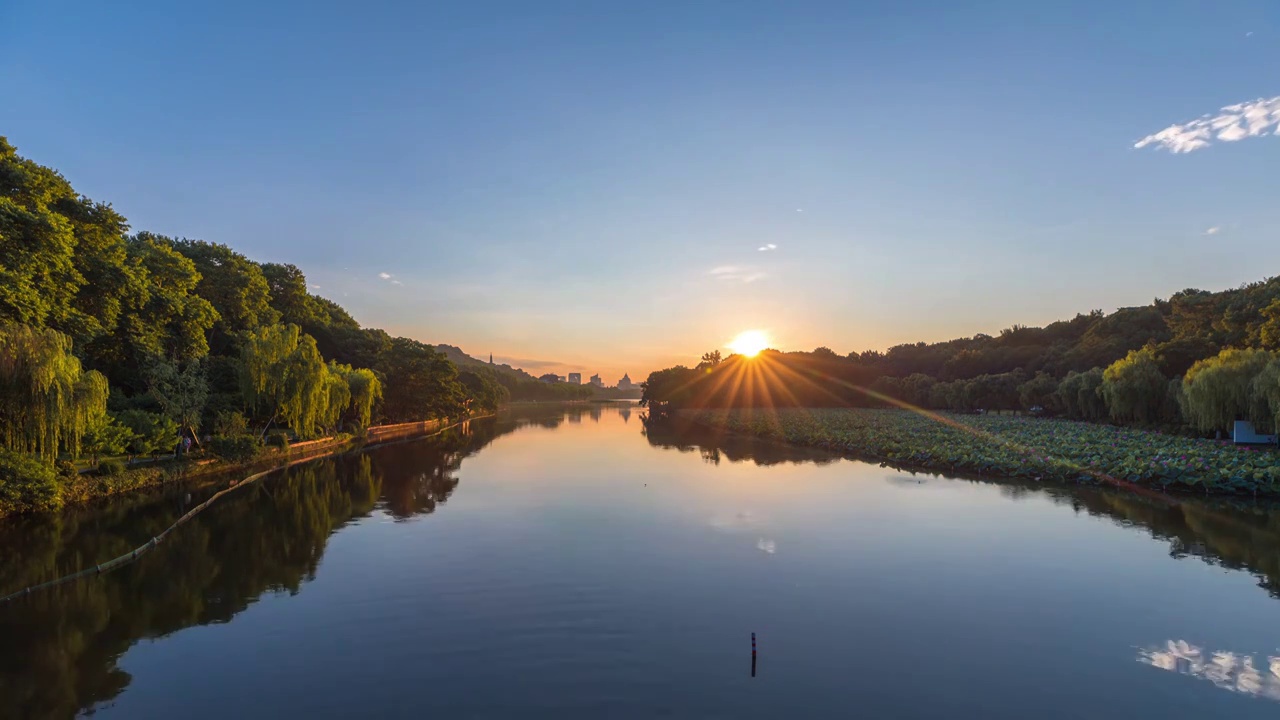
[[575, 378], [595, 380], [626, 384]]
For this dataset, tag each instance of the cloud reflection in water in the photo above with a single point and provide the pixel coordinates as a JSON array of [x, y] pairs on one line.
[[1232, 671]]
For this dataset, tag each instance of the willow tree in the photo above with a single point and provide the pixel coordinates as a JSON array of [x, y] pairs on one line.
[[364, 390], [1134, 388], [1266, 386], [338, 397], [47, 400], [1219, 390], [283, 376], [1079, 394]]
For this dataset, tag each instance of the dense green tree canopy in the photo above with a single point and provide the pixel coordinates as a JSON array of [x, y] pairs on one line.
[[1220, 390], [1134, 388], [177, 333], [234, 285], [425, 382]]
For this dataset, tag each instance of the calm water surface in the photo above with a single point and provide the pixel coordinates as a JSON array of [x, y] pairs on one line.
[[564, 563]]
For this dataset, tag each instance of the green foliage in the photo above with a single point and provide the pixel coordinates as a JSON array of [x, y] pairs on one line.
[[337, 398], [111, 466], [152, 433], [235, 448], [106, 437], [47, 401], [38, 278], [1014, 447], [285, 376], [182, 394], [1220, 390], [1080, 397], [1040, 391], [917, 389], [159, 314], [425, 382], [673, 386], [278, 440], [27, 484], [157, 325], [236, 288], [366, 392], [1266, 388], [484, 392], [287, 287], [1134, 389], [230, 423]]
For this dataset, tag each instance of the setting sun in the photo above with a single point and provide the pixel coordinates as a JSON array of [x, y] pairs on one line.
[[749, 343]]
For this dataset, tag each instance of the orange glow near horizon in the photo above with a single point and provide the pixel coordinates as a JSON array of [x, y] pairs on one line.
[[749, 343]]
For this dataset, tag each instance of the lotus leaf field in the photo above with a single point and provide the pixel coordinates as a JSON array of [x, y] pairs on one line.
[[1014, 446]]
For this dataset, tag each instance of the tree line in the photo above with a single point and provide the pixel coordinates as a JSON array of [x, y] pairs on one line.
[[1193, 363], [119, 342]]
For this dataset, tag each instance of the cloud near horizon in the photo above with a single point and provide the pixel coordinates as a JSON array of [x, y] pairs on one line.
[[768, 247], [1213, 230], [736, 273], [1235, 122]]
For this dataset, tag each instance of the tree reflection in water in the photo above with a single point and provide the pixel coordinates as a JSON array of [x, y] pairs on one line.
[[1231, 533], [61, 647]]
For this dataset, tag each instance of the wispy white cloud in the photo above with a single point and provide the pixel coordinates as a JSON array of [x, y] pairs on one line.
[[799, 210], [1234, 122], [384, 275], [767, 247], [315, 287], [736, 273], [396, 282], [768, 546], [1213, 230]]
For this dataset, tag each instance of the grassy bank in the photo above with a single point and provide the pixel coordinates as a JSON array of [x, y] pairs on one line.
[[1022, 447], [43, 490]]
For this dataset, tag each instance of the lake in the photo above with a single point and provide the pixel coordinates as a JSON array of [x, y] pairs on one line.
[[559, 562]]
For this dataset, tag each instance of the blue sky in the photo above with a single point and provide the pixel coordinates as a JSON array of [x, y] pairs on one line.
[[589, 183]]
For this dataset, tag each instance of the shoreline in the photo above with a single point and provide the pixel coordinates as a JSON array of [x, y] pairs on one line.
[[204, 471], [1020, 462]]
